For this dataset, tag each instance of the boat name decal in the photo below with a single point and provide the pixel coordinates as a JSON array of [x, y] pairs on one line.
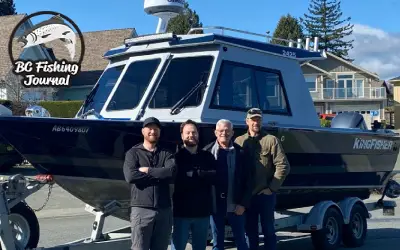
[[372, 144], [70, 129]]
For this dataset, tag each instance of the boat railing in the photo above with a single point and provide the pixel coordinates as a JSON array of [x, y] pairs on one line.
[[299, 43]]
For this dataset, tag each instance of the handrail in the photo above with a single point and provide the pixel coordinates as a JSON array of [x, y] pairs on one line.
[[299, 43]]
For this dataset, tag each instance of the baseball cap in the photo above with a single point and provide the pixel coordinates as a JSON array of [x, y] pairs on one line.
[[151, 120], [254, 112]]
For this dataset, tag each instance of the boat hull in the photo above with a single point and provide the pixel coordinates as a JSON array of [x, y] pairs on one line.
[[86, 158]]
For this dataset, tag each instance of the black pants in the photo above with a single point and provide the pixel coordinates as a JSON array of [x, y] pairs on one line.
[[150, 228]]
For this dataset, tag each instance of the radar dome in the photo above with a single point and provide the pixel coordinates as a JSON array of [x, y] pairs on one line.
[[157, 7]]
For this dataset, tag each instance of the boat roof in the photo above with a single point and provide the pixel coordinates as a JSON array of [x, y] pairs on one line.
[[170, 41]]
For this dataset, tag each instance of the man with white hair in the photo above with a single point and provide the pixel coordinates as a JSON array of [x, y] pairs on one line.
[[232, 191]]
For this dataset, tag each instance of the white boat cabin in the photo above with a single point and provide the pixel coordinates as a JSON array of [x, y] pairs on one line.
[[204, 77]]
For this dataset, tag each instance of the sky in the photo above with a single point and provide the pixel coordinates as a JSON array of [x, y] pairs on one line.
[[376, 23]]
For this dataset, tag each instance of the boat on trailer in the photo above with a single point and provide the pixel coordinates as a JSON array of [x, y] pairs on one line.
[[206, 77], [203, 77]]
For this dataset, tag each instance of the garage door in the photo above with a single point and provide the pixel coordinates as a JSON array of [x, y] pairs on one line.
[[358, 108]]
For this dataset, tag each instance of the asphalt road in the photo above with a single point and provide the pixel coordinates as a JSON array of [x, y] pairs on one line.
[[64, 220]]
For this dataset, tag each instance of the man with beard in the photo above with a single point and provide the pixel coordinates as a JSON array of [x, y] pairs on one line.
[[149, 169], [233, 187], [192, 200], [264, 152]]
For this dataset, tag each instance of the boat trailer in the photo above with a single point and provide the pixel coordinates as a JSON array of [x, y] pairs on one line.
[[329, 223]]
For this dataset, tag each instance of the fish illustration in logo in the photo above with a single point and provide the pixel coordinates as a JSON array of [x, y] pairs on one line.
[[50, 30]]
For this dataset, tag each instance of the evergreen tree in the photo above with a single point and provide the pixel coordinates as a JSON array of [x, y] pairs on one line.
[[182, 23], [7, 7], [324, 21], [288, 28]]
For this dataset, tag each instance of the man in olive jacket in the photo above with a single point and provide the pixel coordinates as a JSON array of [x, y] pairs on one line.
[[265, 154]]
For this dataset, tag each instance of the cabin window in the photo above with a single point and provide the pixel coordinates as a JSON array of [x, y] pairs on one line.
[[181, 76], [133, 85], [241, 87], [102, 90]]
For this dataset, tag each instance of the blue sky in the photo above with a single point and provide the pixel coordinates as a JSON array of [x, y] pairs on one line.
[[374, 20]]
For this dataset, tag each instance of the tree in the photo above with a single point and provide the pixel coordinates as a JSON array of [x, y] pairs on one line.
[[182, 23], [288, 28], [324, 21], [7, 7]]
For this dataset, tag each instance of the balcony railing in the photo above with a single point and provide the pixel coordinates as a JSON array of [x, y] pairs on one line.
[[349, 93]]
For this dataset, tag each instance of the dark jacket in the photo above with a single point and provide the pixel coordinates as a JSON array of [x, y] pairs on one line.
[[152, 189], [243, 177], [192, 194]]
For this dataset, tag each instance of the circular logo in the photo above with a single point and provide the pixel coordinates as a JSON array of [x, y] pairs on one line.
[[51, 71]]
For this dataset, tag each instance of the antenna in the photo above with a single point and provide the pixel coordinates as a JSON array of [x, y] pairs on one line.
[[164, 10]]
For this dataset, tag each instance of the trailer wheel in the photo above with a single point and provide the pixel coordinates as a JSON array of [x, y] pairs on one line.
[[24, 225], [330, 236], [355, 232]]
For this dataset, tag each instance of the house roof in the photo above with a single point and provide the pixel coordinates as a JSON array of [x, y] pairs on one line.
[[396, 79], [8, 23], [374, 75], [97, 43], [316, 68]]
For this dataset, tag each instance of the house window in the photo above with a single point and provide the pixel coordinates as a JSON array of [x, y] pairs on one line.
[[345, 86], [241, 87], [329, 86], [359, 88], [311, 82]]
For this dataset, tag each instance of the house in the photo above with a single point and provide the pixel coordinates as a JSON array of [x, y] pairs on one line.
[[337, 85], [395, 82], [10, 86], [97, 43]]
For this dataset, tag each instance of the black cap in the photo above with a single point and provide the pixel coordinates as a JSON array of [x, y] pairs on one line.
[[151, 120]]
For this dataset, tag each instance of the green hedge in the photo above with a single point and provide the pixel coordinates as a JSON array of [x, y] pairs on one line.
[[61, 109]]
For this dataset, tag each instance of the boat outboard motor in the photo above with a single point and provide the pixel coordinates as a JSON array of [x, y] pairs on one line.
[[349, 120], [36, 111]]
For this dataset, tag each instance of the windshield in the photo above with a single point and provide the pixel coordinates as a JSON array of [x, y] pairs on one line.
[[181, 76], [133, 85], [100, 93]]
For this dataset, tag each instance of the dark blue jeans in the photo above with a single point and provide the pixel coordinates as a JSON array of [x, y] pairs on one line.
[[197, 226], [237, 223], [262, 206]]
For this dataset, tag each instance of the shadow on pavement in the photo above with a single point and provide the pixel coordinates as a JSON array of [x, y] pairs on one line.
[[382, 239]]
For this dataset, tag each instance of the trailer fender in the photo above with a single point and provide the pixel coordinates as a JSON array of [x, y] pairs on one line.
[[347, 205], [314, 219]]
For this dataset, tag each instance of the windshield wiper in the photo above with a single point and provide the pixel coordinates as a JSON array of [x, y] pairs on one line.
[[176, 108], [89, 99]]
